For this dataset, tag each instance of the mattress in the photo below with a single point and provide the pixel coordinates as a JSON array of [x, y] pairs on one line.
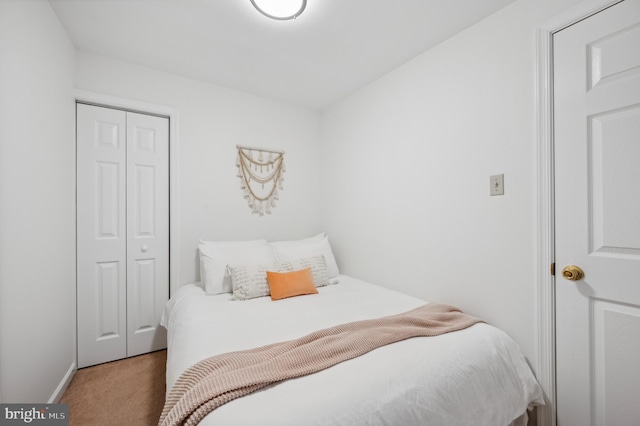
[[473, 376]]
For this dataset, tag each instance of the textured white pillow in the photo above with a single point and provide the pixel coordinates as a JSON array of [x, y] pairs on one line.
[[318, 266], [250, 281], [224, 244], [320, 247], [214, 261]]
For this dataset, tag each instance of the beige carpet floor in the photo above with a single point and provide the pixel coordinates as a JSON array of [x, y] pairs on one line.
[[125, 392]]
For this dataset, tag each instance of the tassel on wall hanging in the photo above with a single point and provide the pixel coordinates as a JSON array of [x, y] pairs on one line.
[[260, 172]]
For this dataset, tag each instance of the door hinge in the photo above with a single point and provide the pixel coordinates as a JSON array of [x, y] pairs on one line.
[[553, 268]]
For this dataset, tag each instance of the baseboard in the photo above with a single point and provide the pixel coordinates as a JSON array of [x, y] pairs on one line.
[[64, 384]]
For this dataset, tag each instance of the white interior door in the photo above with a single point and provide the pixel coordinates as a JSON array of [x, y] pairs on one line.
[[101, 235], [147, 230], [597, 172], [122, 232]]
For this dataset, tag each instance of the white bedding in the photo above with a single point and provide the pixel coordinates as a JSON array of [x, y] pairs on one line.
[[475, 376]]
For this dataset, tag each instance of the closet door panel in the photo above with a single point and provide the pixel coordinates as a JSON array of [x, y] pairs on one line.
[[101, 234], [147, 230]]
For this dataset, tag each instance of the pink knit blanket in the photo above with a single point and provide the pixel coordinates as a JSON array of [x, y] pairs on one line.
[[217, 380]]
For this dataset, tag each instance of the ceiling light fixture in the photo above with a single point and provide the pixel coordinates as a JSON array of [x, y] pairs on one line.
[[282, 10]]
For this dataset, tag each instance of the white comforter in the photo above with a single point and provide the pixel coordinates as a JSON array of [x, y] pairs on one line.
[[476, 376]]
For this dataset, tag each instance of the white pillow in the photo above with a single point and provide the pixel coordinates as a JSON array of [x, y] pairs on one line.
[[289, 243], [250, 281], [242, 243], [303, 249], [214, 259], [223, 244], [317, 264]]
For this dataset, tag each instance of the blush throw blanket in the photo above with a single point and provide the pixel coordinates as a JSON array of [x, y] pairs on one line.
[[217, 380]]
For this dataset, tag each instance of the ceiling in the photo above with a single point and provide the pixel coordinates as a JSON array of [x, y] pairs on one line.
[[333, 49]]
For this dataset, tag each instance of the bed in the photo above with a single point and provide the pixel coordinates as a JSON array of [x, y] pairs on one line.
[[473, 376]]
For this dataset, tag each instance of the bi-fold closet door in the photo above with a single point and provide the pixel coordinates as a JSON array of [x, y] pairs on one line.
[[122, 232]]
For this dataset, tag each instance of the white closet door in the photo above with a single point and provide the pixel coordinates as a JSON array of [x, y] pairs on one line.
[[147, 230], [101, 234], [123, 233]]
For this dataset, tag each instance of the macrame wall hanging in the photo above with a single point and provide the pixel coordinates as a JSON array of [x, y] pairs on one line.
[[260, 172]]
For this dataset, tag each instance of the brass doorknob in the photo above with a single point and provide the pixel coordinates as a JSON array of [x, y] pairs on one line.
[[572, 273]]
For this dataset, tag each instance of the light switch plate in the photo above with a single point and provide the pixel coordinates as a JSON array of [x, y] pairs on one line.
[[497, 185]]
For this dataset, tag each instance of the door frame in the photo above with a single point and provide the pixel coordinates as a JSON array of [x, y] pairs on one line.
[[546, 319], [109, 101]]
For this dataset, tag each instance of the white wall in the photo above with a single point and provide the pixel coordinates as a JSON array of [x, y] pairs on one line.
[[407, 162], [37, 203], [212, 120]]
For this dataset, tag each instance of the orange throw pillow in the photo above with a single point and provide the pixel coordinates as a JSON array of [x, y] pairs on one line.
[[289, 284]]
